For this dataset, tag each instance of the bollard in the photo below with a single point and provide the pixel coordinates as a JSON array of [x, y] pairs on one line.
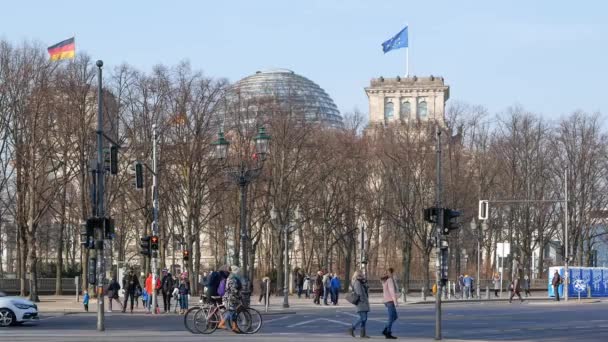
[[403, 295], [487, 292], [423, 294], [449, 287], [588, 291], [77, 289], [267, 299]]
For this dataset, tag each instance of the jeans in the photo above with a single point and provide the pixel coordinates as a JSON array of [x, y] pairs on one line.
[[556, 291], [326, 292], [467, 291], [166, 301], [299, 291], [128, 294], [334, 295], [183, 301], [392, 316], [361, 320]]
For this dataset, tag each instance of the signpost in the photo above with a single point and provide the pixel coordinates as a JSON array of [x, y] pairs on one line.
[[503, 249]]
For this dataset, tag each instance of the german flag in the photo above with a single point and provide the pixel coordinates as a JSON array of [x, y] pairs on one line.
[[63, 50]]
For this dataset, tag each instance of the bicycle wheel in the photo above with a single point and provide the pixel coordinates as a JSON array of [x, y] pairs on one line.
[[243, 321], [189, 319], [206, 320], [255, 321]]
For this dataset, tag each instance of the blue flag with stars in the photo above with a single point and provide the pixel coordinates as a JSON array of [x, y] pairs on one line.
[[397, 42]]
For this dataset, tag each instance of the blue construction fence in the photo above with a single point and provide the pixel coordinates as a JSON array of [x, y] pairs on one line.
[[581, 278]]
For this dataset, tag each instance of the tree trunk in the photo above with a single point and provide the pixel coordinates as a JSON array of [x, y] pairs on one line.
[[32, 261], [406, 262]]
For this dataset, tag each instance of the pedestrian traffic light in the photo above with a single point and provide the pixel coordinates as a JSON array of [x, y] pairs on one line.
[[92, 271], [114, 159], [139, 175], [154, 242], [450, 220], [186, 255], [87, 235], [144, 245], [432, 214]]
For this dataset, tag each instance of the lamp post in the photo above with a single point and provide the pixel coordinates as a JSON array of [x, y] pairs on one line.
[[478, 235], [242, 174], [285, 228]]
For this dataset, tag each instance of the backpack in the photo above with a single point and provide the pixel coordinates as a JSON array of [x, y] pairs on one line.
[[221, 289]]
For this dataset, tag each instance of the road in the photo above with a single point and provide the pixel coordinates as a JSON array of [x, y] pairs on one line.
[[462, 322]]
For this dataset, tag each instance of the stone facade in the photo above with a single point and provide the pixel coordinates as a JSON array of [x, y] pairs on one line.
[[406, 99]]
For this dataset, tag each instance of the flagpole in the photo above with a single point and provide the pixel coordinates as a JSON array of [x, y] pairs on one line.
[[407, 62]]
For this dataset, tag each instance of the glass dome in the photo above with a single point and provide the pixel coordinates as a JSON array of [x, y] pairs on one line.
[[298, 92]]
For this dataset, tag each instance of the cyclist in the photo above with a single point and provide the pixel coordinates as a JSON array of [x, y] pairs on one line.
[[214, 279], [232, 299]]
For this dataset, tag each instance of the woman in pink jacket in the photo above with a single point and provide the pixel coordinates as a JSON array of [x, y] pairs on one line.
[[389, 294]]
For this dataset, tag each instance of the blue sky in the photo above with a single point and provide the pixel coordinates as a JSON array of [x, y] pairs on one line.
[[548, 56]]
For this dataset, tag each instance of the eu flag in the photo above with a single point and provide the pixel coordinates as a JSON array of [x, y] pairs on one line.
[[397, 42]]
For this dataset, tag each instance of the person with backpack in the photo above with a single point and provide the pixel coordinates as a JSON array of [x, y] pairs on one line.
[[232, 299], [391, 301], [361, 290], [131, 284], [112, 292], [555, 282], [213, 281], [166, 285]]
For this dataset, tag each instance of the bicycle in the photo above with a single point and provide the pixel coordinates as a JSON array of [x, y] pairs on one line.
[[205, 319]]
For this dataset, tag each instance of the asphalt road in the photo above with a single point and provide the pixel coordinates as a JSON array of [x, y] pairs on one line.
[[465, 322]]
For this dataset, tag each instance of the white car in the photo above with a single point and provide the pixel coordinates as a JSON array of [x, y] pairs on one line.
[[16, 310]]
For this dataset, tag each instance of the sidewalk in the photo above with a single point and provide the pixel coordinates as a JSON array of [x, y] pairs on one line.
[[69, 305]]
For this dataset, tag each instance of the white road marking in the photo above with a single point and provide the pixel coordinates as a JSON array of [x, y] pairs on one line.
[[276, 319], [302, 323], [318, 319]]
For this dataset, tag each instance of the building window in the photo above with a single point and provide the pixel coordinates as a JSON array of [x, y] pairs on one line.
[[389, 110], [405, 110], [422, 111]]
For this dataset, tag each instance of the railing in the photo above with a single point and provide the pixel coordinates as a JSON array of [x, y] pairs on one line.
[[45, 285], [417, 284]]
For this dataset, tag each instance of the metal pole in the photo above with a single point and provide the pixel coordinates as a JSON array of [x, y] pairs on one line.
[[566, 252], [244, 240], [100, 209], [438, 228], [286, 269], [478, 261], [154, 256], [267, 294]]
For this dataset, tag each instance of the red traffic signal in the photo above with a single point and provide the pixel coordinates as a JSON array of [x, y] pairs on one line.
[[154, 242], [186, 255]]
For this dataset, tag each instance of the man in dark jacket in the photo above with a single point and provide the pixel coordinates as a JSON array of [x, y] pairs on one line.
[[557, 279], [130, 283], [166, 287], [213, 281], [318, 287]]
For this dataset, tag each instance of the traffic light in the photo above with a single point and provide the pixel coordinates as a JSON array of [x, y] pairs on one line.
[[144, 245], [450, 220], [139, 175], [87, 231], [154, 242], [114, 160], [108, 228], [431, 214], [186, 255], [92, 271]]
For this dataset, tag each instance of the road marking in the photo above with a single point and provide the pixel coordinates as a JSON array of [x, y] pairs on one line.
[[276, 319], [302, 323], [319, 319]]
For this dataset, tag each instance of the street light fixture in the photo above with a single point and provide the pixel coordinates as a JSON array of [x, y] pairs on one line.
[[286, 228], [243, 175]]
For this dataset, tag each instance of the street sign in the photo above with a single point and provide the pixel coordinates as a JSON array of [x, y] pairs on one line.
[[483, 209], [503, 249]]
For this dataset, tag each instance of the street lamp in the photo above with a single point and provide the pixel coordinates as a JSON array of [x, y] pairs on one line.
[[478, 235], [286, 228], [243, 175]]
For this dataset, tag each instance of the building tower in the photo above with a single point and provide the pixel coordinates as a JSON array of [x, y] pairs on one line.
[[407, 99]]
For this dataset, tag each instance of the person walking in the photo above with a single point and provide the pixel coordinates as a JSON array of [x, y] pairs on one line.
[[264, 283], [326, 287], [232, 300], [175, 294], [166, 286], [335, 286], [300, 283], [461, 286], [515, 287], [526, 286], [555, 282], [306, 286], [112, 292], [318, 287], [131, 284], [85, 301], [391, 301], [150, 290], [360, 288], [496, 281]]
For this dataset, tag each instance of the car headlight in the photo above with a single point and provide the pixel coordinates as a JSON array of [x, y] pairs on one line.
[[23, 306]]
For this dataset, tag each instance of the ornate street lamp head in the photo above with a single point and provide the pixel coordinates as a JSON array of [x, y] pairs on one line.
[[221, 146], [262, 143]]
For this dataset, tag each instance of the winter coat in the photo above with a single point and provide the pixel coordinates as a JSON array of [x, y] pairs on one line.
[[130, 282], [149, 288], [326, 280], [557, 279], [335, 283], [306, 285], [167, 283], [318, 283], [184, 288], [496, 283], [361, 288], [232, 296], [389, 290]]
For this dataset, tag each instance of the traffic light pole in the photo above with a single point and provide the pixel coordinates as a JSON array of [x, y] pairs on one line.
[[154, 256], [438, 234], [100, 207]]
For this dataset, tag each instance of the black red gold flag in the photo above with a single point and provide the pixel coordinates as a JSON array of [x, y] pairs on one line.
[[63, 50]]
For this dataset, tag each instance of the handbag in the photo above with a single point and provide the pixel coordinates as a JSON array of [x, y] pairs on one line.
[[352, 297]]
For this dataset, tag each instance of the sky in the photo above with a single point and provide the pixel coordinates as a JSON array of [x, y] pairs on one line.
[[547, 56]]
